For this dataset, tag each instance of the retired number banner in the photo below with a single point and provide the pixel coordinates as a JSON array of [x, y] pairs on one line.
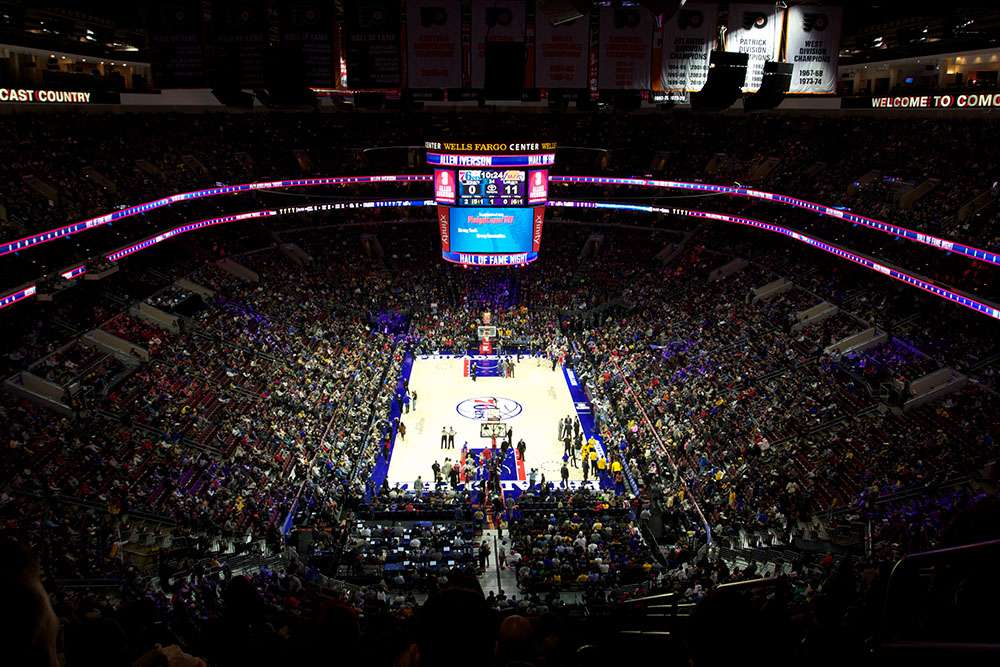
[[307, 30], [371, 43], [434, 43], [493, 21], [561, 52]]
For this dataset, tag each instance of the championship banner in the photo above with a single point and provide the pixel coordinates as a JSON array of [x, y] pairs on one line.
[[756, 31], [307, 32], [561, 52], [811, 45], [626, 45], [493, 21], [371, 43], [433, 43], [688, 38]]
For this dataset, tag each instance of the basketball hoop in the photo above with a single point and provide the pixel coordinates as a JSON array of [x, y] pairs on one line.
[[493, 429]]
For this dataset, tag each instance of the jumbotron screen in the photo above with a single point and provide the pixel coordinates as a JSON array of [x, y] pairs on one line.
[[491, 230], [491, 200], [491, 187]]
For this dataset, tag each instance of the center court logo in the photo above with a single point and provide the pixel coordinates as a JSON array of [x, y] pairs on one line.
[[479, 408]]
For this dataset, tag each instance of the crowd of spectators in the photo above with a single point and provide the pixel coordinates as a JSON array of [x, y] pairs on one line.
[[267, 411], [412, 555], [577, 540], [865, 166]]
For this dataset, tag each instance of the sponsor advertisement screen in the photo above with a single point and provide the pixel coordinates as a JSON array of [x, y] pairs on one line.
[[490, 230]]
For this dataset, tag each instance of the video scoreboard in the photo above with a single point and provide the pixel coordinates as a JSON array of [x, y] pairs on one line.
[[491, 200], [491, 187]]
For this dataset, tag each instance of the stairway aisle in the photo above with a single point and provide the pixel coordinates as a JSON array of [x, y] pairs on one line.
[[488, 580]]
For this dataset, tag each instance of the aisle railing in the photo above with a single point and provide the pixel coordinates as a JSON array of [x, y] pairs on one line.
[[663, 448]]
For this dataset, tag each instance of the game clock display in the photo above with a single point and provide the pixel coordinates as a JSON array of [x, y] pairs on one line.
[[491, 187]]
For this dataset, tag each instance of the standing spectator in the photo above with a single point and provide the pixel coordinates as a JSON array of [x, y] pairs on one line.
[[29, 627], [484, 555]]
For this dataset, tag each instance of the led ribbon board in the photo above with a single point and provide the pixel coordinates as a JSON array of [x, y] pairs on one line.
[[536, 195], [61, 232], [980, 306], [17, 295], [822, 209], [75, 272], [121, 253]]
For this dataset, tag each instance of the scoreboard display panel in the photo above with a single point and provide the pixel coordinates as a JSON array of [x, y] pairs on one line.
[[491, 200], [492, 187], [490, 230]]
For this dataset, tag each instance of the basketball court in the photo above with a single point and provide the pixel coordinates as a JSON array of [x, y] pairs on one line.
[[530, 404]]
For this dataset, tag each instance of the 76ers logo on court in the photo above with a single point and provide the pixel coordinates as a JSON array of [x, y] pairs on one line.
[[482, 407]]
